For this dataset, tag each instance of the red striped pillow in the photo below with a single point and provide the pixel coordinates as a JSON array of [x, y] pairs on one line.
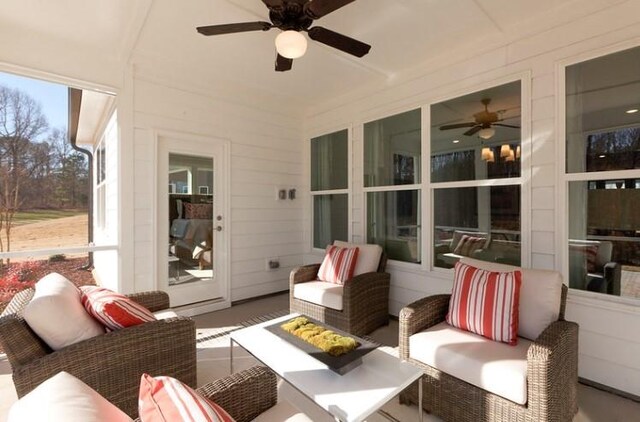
[[485, 302], [113, 310], [338, 264], [165, 399]]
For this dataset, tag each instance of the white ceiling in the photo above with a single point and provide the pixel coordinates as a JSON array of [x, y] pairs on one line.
[[160, 35]]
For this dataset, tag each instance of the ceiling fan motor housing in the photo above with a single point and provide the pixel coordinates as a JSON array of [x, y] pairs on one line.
[[291, 16]]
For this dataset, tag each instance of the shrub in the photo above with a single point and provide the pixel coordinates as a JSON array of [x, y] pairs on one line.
[[57, 258]]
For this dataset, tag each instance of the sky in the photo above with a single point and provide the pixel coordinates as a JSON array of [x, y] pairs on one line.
[[52, 97]]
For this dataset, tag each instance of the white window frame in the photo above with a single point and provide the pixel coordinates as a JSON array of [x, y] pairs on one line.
[[564, 177], [347, 191], [524, 181], [397, 188], [100, 187]]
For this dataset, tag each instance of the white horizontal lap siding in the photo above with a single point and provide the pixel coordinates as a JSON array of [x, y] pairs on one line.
[[265, 150], [448, 76]]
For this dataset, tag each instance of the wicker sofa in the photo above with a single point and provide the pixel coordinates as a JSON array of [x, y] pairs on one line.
[[111, 363], [549, 362], [359, 306]]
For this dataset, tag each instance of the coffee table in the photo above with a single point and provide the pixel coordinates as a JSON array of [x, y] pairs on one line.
[[351, 397]]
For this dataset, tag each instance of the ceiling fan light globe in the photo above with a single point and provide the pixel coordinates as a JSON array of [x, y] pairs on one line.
[[291, 44], [487, 132]]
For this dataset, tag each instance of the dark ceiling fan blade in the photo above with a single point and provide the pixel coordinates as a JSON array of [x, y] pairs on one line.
[[234, 27], [503, 125], [473, 130], [316, 9], [283, 64], [339, 41], [458, 125], [272, 3]]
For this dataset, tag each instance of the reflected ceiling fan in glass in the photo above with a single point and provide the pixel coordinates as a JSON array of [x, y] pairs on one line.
[[483, 124]]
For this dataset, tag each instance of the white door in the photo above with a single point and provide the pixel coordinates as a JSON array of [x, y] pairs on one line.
[[192, 244]]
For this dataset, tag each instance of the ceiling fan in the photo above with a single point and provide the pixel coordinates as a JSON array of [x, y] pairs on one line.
[[293, 17], [484, 122]]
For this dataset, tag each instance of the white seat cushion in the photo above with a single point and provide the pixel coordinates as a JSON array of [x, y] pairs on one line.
[[283, 411], [368, 256], [540, 296], [165, 314], [495, 367], [64, 398], [321, 293], [56, 313]]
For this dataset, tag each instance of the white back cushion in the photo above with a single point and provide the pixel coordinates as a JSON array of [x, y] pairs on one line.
[[540, 296], [368, 256], [64, 398], [56, 313]]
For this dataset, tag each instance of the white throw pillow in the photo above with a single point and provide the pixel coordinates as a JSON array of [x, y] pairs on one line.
[[64, 398], [56, 313], [540, 296], [368, 256]]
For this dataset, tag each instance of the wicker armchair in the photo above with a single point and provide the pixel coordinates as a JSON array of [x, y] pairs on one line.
[[111, 363], [244, 395], [552, 373], [365, 300]]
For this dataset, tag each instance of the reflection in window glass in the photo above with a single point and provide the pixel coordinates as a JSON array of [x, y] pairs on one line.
[[603, 124], [329, 161], [393, 222], [479, 222], [477, 136], [392, 150], [330, 219], [604, 236]]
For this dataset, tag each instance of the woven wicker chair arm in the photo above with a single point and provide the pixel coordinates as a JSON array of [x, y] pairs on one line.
[[19, 341], [359, 285], [2, 306], [154, 301], [303, 274], [552, 364], [245, 394], [112, 363], [419, 315], [553, 340]]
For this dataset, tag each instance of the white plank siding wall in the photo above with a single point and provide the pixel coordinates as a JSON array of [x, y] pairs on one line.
[[265, 155], [609, 334]]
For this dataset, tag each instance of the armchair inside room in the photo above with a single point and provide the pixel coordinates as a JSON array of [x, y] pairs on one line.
[[359, 306], [445, 251], [601, 274], [110, 363]]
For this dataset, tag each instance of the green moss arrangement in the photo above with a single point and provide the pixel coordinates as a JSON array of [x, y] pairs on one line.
[[322, 338]]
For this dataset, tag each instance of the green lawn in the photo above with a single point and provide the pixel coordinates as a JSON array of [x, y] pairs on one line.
[[34, 216]]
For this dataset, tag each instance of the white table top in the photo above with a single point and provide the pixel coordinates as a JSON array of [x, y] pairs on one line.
[[350, 397]]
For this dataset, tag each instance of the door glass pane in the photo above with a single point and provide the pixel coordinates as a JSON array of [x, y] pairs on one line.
[[477, 136], [604, 236], [392, 148], [190, 222], [478, 222], [393, 222], [329, 161], [603, 121], [330, 219]]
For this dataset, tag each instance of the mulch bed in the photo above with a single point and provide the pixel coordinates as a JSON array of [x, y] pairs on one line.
[[21, 275]]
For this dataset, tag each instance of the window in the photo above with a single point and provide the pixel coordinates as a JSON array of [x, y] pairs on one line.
[[602, 143], [392, 180], [330, 188], [101, 189], [476, 166]]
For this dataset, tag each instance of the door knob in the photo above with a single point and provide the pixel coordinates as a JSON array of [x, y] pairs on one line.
[[218, 228]]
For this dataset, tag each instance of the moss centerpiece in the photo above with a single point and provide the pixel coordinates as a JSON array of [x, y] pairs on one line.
[[326, 340]]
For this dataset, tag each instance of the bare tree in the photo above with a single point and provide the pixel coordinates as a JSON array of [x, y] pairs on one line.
[[21, 122]]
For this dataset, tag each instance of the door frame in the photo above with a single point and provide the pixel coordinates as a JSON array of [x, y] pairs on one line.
[[159, 245]]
